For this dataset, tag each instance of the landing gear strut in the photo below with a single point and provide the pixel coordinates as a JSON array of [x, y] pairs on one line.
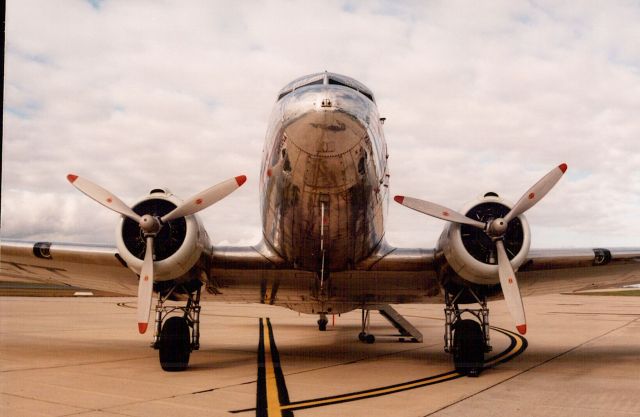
[[172, 338], [468, 340]]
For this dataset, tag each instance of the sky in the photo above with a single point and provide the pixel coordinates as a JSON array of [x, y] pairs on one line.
[[478, 96]]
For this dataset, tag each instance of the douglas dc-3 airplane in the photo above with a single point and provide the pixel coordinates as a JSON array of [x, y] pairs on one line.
[[324, 191]]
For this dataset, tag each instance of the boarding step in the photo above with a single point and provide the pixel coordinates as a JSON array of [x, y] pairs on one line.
[[408, 333], [403, 326]]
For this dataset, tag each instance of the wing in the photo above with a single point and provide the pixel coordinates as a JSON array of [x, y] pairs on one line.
[[393, 271], [257, 274], [403, 275], [86, 266], [243, 274], [569, 270], [239, 274]]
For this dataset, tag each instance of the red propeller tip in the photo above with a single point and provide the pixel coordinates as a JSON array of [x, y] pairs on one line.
[[522, 329], [563, 168], [399, 199], [142, 327], [72, 178], [241, 179]]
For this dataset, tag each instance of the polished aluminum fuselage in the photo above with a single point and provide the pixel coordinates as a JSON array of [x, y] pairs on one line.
[[324, 179], [324, 198]]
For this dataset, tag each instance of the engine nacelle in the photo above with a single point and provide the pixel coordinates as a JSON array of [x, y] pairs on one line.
[[178, 246], [470, 253]]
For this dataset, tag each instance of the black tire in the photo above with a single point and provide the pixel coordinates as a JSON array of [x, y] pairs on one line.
[[362, 336], [175, 345], [322, 325], [370, 339], [468, 343]]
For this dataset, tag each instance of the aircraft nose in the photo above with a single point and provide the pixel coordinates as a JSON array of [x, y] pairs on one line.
[[326, 133]]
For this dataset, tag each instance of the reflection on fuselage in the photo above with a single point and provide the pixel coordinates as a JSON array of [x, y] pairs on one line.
[[324, 177]]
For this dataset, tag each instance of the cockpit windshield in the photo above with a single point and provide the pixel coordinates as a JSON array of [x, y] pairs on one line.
[[331, 78]]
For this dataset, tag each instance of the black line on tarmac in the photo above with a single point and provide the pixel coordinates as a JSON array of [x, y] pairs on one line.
[[283, 394], [517, 345], [261, 392], [262, 403]]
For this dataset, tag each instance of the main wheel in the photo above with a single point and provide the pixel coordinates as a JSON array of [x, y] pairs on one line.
[[322, 324], [175, 346], [468, 344]]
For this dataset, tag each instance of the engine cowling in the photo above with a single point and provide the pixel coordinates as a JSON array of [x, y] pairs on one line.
[[469, 252], [177, 247]]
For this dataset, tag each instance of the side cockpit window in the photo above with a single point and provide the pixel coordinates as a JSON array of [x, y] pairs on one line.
[[285, 93]]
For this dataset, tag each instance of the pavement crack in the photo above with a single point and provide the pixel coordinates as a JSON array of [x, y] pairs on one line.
[[73, 365], [203, 391], [26, 397]]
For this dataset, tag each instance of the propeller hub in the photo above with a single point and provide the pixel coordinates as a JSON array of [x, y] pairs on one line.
[[150, 225], [497, 227]]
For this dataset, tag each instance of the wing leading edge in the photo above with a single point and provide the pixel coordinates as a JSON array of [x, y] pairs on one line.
[[548, 271], [92, 267]]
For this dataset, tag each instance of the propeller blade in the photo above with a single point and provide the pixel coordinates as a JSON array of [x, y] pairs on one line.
[[510, 288], [103, 196], [145, 288], [205, 198], [535, 193], [436, 210]]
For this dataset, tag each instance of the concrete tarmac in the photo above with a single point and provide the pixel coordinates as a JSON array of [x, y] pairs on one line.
[[84, 357]]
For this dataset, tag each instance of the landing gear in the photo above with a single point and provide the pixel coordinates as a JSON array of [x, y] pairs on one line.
[[468, 340], [364, 335], [174, 344], [468, 347], [173, 339], [322, 322], [366, 338]]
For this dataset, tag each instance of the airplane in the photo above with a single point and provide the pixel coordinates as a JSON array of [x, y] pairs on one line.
[[324, 195]]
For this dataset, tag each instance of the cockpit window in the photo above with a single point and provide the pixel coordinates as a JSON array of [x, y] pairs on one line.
[[331, 78], [283, 94], [365, 93]]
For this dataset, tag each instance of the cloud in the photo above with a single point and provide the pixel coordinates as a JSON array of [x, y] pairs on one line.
[[479, 97]]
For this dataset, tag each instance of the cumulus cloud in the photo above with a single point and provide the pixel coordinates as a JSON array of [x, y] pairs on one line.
[[479, 97]]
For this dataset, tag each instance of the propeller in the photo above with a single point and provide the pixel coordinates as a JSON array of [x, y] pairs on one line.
[[496, 229], [151, 225]]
